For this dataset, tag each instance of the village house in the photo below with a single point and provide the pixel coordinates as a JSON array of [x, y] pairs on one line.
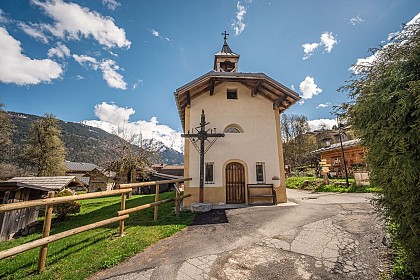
[[20, 189], [92, 175], [354, 155], [246, 165]]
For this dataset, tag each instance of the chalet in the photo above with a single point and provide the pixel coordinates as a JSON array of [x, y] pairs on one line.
[[246, 165], [20, 189], [90, 174], [175, 170], [354, 155]]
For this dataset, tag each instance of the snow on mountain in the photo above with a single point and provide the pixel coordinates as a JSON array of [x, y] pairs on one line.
[[143, 133]]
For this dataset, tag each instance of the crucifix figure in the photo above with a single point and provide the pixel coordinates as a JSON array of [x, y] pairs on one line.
[[202, 135]]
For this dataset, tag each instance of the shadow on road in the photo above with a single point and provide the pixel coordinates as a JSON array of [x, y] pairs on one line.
[[216, 216]]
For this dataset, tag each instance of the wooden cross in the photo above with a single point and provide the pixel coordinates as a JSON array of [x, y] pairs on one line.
[[202, 135], [225, 34]]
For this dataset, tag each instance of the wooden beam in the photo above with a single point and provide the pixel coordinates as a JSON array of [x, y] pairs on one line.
[[279, 102], [211, 86], [152, 183], [149, 205], [58, 236], [256, 88], [58, 200], [188, 96]]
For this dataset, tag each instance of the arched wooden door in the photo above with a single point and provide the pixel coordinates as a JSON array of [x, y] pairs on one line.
[[235, 183]]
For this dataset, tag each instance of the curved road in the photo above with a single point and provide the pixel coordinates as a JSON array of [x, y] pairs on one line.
[[313, 236]]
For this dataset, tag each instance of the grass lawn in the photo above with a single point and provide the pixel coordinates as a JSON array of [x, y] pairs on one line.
[[335, 185], [83, 254]]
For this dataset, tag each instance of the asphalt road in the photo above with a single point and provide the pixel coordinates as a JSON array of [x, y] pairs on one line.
[[313, 236]]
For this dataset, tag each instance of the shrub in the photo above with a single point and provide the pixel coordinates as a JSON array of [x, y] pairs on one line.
[[64, 209], [385, 111]]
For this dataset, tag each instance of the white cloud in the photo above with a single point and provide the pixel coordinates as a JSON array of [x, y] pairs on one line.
[[308, 49], [155, 33], [328, 40], [116, 120], [110, 75], [108, 67], [111, 4], [60, 51], [324, 105], [79, 77], [3, 18], [35, 30], [363, 64], [84, 59], [356, 20], [113, 114], [17, 68], [138, 83], [308, 88], [321, 124], [238, 24], [73, 22]]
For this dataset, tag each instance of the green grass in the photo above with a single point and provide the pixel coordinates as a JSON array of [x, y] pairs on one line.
[[318, 185], [83, 254]]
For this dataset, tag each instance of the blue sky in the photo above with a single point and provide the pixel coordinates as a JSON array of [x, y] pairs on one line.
[[122, 60]]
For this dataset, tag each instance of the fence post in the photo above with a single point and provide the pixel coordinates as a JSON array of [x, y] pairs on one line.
[[123, 198], [156, 200], [177, 199], [45, 233]]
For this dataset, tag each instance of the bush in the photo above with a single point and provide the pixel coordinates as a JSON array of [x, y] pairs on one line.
[[385, 111], [68, 208]]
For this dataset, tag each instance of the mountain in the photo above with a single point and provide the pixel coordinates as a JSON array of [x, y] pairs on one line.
[[83, 143], [142, 133]]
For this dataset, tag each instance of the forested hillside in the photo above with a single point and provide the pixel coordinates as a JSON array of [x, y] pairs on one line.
[[83, 143]]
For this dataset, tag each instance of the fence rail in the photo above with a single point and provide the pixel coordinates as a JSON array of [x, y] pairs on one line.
[[121, 215]]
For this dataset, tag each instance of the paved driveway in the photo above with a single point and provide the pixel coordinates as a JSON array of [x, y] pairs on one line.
[[314, 236]]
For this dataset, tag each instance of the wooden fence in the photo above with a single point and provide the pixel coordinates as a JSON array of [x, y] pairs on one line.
[[121, 215]]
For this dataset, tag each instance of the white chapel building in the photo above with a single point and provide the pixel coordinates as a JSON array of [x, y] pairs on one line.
[[245, 166]]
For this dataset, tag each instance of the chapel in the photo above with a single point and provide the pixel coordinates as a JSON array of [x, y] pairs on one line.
[[245, 166]]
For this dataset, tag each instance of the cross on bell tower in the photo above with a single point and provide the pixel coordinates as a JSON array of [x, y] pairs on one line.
[[226, 60], [225, 34]]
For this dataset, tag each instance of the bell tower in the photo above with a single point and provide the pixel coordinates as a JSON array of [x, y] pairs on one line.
[[226, 60]]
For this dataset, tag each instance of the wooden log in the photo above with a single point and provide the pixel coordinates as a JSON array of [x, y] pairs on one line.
[[152, 183], [58, 200], [149, 205], [177, 200], [155, 217], [123, 198], [58, 236], [45, 233]]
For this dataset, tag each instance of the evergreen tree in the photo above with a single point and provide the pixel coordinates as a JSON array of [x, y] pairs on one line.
[[386, 114], [6, 130], [46, 149]]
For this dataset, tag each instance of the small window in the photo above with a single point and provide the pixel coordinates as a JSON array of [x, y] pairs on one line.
[[260, 172], [232, 94], [209, 178], [232, 130]]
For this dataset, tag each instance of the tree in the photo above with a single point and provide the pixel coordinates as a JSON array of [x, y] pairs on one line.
[[6, 131], [132, 162], [385, 111], [46, 149], [297, 143]]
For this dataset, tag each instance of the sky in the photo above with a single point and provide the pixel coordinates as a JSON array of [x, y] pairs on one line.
[[121, 61]]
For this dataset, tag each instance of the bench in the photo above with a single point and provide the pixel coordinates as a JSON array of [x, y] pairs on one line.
[[261, 191]]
